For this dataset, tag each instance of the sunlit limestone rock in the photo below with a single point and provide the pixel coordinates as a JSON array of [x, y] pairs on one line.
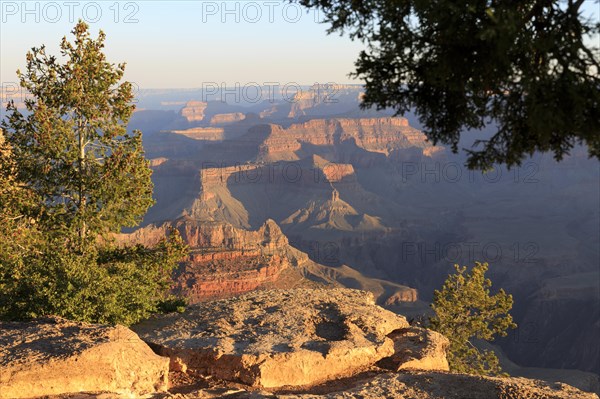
[[52, 356], [277, 338]]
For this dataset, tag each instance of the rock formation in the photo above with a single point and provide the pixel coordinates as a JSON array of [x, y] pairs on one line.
[[156, 162], [225, 261], [317, 100], [430, 385], [435, 151], [202, 133], [285, 344], [408, 384], [401, 296], [194, 111], [52, 356], [237, 193], [277, 338], [377, 135], [417, 348], [225, 119]]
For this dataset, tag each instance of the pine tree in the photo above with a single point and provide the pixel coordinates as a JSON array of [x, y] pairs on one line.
[[70, 176], [72, 147], [465, 311]]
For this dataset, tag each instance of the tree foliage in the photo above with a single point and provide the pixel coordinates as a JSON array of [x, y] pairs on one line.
[[107, 284], [70, 176], [72, 147], [18, 231], [523, 66], [465, 311]]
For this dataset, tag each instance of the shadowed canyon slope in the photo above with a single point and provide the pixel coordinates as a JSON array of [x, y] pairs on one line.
[[371, 203]]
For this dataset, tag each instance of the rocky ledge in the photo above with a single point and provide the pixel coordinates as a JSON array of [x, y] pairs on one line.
[[277, 338], [406, 385], [51, 356], [288, 344]]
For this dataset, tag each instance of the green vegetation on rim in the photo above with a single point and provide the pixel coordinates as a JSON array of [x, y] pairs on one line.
[[465, 311], [71, 176]]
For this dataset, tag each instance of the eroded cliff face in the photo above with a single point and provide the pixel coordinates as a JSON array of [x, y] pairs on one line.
[[377, 135], [202, 133], [225, 261], [361, 142], [194, 111], [224, 119], [242, 193]]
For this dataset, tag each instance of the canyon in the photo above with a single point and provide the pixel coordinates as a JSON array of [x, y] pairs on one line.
[[362, 200]]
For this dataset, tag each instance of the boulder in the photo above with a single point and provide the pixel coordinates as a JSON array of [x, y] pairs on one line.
[[277, 338], [417, 348], [53, 356]]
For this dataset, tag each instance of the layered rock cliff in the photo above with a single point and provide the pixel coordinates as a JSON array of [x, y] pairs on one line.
[[317, 100], [226, 261], [194, 111], [378, 135], [202, 133], [224, 119]]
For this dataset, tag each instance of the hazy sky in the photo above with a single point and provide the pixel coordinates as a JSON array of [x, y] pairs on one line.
[[171, 44], [182, 44]]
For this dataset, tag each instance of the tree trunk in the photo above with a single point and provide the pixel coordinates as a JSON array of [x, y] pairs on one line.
[[82, 199]]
